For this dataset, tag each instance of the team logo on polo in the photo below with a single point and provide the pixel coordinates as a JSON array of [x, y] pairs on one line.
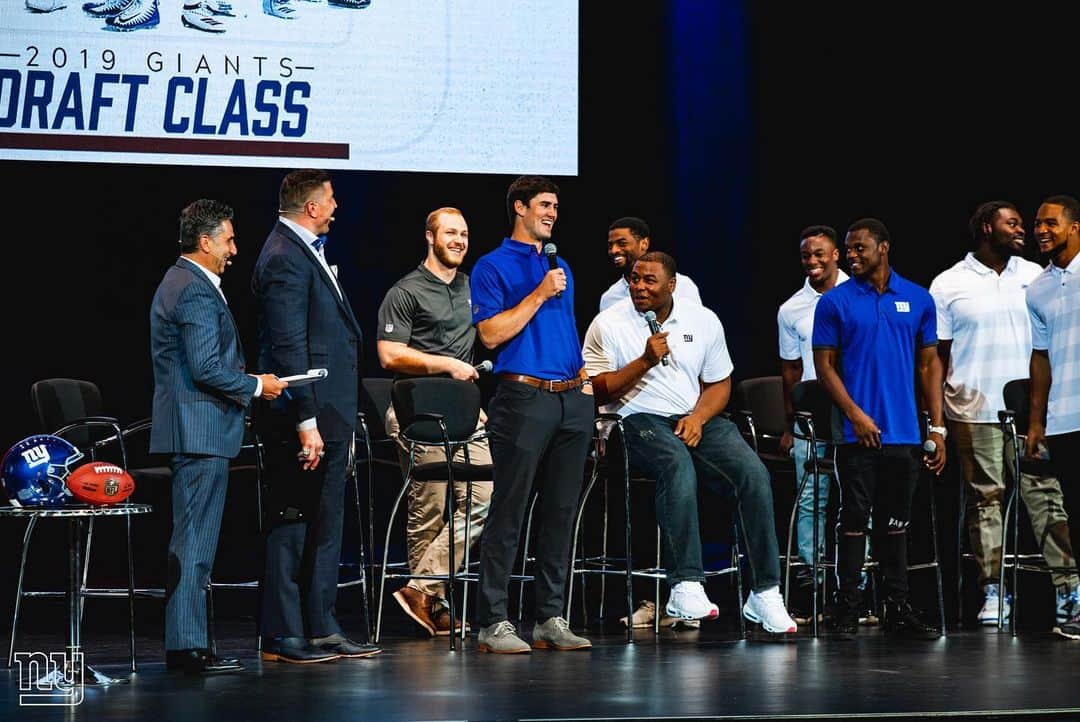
[[688, 338], [903, 307]]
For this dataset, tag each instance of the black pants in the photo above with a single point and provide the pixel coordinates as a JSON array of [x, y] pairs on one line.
[[542, 437], [879, 483], [1065, 456], [303, 541]]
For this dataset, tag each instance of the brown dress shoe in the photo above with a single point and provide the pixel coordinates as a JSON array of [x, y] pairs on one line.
[[442, 622], [418, 606]]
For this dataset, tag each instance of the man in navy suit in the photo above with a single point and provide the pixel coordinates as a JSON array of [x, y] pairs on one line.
[[306, 322], [201, 395]]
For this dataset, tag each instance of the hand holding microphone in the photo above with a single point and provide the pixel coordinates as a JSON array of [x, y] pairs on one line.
[[556, 275], [656, 347], [933, 456]]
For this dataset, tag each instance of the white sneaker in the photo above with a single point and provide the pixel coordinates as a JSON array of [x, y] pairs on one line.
[[688, 601], [767, 609], [45, 6], [201, 17], [1068, 600], [992, 601]]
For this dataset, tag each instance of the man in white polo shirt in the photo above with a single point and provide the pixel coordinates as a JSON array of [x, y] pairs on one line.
[[671, 412], [1053, 301], [795, 322], [984, 341], [628, 240]]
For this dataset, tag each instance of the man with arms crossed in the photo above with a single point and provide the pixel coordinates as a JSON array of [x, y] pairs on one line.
[[425, 329]]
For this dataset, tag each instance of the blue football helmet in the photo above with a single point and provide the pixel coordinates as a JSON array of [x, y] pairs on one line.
[[34, 471]]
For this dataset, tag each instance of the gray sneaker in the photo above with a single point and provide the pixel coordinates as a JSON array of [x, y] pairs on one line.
[[501, 638], [555, 634]]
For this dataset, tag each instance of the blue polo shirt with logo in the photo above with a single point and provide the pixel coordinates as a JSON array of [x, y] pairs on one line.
[[877, 336], [548, 346]]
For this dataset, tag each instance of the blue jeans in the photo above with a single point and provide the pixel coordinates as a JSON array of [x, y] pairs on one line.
[[804, 524], [727, 465]]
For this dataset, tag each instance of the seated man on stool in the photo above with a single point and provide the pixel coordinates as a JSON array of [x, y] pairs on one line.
[[670, 390], [425, 329]]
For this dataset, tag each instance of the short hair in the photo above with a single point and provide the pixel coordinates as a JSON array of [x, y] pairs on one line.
[[985, 213], [663, 259], [298, 187], [202, 217], [1070, 204], [811, 231], [875, 227], [638, 228], [432, 222], [524, 189]]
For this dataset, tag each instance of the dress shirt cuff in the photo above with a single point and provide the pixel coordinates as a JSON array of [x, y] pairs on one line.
[[258, 387], [308, 424]]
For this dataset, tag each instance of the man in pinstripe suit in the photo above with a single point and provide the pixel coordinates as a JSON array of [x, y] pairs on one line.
[[305, 322], [201, 395]]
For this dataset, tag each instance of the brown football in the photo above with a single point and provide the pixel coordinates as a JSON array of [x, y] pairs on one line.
[[100, 483]]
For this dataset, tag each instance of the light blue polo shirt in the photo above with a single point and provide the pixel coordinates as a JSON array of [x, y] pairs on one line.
[[548, 347], [877, 336]]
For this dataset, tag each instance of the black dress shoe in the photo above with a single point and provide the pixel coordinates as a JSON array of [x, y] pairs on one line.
[[199, 661], [345, 647], [296, 650]]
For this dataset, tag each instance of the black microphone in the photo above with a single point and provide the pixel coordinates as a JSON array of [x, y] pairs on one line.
[[484, 367], [551, 251], [654, 326]]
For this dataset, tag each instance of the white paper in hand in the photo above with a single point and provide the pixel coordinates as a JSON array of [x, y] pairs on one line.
[[311, 376]]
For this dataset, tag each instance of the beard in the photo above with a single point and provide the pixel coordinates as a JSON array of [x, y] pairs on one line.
[[446, 258]]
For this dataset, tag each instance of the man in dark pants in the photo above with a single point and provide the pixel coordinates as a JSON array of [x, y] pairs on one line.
[[305, 322], [201, 396], [871, 336], [1053, 301], [540, 420]]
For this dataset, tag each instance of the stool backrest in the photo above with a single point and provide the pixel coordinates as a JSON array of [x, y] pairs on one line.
[[763, 398], [810, 396], [58, 402], [374, 402], [1017, 394], [458, 402]]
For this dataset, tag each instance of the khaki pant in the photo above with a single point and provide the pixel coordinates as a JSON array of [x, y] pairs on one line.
[[985, 460], [427, 534]]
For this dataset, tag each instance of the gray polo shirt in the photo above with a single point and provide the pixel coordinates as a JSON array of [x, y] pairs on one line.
[[429, 315]]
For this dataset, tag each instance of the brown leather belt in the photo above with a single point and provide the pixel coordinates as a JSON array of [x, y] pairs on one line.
[[543, 384]]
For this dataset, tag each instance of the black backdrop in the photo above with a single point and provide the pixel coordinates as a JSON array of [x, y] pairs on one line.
[[728, 126]]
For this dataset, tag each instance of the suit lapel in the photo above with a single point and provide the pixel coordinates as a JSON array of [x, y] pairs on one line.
[[340, 297]]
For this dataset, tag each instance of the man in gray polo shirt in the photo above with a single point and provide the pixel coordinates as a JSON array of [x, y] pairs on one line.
[[425, 329]]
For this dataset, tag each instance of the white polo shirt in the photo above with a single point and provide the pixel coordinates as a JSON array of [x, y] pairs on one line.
[[795, 320], [985, 316], [684, 288], [699, 352], [1053, 301]]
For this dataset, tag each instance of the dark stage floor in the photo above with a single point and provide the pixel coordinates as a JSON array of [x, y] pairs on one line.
[[694, 675]]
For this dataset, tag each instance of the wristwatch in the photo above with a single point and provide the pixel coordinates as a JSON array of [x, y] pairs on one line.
[[938, 430]]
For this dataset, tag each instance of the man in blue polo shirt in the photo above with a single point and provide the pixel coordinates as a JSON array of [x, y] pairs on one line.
[[540, 420], [871, 337]]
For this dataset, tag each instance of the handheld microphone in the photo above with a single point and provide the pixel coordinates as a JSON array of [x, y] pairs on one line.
[[551, 251], [484, 367], [654, 326], [929, 446]]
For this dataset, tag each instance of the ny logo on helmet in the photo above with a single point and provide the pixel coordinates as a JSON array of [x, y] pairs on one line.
[[36, 456]]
